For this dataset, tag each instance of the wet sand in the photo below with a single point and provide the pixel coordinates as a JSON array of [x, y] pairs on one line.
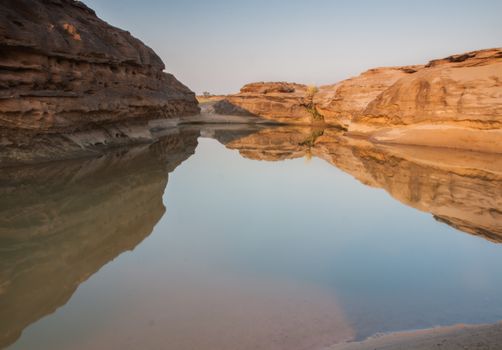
[[483, 337]]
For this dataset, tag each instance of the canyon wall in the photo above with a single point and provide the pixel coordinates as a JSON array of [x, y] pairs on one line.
[[62, 69]]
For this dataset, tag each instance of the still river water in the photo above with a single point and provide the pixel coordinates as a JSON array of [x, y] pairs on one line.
[[278, 238]]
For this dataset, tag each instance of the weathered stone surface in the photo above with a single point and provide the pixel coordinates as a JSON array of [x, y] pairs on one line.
[[61, 222], [464, 90], [454, 102], [278, 101], [459, 188], [341, 103], [63, 69]]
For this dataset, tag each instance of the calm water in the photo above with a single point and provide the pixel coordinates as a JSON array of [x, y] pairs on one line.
[[247, 239]]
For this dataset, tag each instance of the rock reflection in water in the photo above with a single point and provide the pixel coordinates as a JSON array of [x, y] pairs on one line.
[[61, 222], [462, 189]]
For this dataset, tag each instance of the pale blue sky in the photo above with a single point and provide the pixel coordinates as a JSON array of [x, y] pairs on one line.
[[220, 45]]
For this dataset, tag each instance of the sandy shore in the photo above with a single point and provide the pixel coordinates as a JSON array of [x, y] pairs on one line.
[[483, 337]]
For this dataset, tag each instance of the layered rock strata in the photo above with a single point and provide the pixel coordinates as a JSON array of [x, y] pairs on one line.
[[342, 102], [62, 69], [454, 102], [281, 102]]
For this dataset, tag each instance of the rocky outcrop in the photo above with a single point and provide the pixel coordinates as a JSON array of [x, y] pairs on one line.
[[62, 69], [341, 103], [61, 222], [464, 90], [454, 102], [458, 188], [280, 102]]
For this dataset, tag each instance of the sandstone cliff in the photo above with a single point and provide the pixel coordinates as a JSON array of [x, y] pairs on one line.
[[63, 69], [340, 103], [454, 102], [463, 90]]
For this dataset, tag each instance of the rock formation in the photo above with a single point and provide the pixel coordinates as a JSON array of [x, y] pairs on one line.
[[281, 102], [464, 90], [341, 103], [459, 188], [62, 69], [454, 102], [61, 222]]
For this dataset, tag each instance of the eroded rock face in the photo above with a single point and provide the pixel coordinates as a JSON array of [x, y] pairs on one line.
[[341, 103], [61, 222], [63, 69], [277, 101], [464, 90], [454, 102], [459, 188]]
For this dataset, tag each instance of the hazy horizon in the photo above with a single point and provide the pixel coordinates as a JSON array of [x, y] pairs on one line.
[[221, 45]]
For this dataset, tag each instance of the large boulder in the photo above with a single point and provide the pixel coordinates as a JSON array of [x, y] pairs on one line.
[[63, 69]]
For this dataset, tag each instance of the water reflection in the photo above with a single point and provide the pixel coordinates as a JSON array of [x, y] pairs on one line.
[[270, 284], [61, 222], [462, 189]]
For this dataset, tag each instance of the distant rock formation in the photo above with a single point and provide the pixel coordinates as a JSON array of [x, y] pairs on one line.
[[281, 102], [453, 102], [62, 69]]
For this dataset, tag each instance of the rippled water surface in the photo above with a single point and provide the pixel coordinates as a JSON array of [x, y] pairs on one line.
[[284, 238]]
